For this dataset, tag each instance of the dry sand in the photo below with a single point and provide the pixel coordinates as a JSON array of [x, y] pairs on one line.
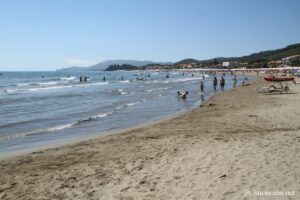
[[239, 142]]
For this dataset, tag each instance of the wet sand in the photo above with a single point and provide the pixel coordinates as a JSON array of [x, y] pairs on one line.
[[238, 143]]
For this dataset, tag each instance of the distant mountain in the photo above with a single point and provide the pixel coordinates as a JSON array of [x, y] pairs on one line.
[[187, 61], [104, 65]]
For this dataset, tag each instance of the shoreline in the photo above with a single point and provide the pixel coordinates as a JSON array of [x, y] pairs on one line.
[[24, 152], [32, 135], [239, 141]]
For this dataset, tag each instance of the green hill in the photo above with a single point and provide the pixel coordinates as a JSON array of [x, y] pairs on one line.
[[121, 67], [260, 57]]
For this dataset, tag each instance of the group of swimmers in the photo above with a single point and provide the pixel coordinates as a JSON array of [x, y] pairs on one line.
[[215, 84], [222, 83], [83, 79]]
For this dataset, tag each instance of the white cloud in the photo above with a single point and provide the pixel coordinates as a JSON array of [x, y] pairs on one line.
[[79, 62]]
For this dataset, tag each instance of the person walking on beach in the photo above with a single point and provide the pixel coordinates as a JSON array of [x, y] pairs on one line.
[[215, 83], [202, 86], [222, 83]]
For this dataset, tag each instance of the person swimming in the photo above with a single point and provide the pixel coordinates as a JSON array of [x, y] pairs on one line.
[[182, 95]]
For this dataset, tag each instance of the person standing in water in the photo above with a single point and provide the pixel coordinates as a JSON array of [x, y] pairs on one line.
[[222, 83], [80, 79], [234, 81], [215, 83], [202, 86], [104, 79]]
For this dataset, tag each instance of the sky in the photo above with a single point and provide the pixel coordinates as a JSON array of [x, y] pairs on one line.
[[43, 35]]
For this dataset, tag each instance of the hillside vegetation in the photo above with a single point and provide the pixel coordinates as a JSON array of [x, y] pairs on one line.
[[261, 57]]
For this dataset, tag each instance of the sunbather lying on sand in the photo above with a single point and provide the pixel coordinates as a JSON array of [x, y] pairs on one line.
[[273, 88], [294, 81]]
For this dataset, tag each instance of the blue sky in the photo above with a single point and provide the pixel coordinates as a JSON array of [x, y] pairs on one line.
[[50, 34]]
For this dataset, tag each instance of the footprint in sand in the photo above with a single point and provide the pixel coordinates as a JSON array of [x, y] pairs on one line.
[[268, 176]]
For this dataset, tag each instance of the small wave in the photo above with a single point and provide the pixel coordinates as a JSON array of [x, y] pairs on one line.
[[91, 84], [185, 79], [47, 83], [37, 89], [95, 117], [21, 84], [60, 127], [118, 107], [68, 78], [55, 128], [132, 104], [117, 92], [53, 87], [104, 114], [126, 81], [164, 88], [157, 89], [37, 131]]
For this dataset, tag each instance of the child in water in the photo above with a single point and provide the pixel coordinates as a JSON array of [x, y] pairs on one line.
[[182, 95]]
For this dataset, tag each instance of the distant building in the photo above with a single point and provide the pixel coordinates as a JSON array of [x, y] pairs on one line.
[[187, 65], [230, 64], [275, 63], [287, 60]]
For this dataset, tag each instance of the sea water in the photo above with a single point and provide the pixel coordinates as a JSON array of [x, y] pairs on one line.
[[41, 108]]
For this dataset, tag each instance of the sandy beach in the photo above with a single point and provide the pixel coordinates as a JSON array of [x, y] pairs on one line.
[[239, 145]]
